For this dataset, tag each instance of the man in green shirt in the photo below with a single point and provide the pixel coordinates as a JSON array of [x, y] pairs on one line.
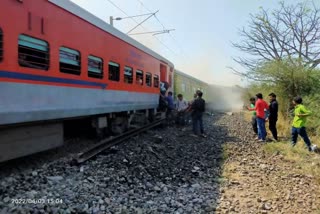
[[299, 121]]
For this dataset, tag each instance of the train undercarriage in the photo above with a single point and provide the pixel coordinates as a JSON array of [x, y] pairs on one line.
[[27, 139]]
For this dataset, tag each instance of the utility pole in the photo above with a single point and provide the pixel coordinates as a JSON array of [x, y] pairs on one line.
[[111, 20]]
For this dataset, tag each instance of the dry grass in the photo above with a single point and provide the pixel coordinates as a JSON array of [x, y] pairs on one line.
[[306, 162], [283, 127]]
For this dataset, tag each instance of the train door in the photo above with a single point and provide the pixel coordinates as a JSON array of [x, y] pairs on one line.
[[164, 84], [163, 73], [171, 82], [166, 76]]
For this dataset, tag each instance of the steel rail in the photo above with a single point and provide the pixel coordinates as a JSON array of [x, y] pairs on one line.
[[107, 143]]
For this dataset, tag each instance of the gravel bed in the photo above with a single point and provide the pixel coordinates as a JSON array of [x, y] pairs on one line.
[[166, 170], [161, 171], [72, 146]]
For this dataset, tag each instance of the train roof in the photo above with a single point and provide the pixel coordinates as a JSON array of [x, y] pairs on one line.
[[89, 17], [189, 76]]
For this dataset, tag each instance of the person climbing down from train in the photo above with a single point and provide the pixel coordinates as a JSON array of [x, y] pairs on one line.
[[198, 107], [260, 108], [163, 104], [181, 107], [254, 116], [299, 123]]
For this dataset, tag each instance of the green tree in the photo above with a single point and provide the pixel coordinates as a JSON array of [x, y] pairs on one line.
[[287, 80], [290, 33]]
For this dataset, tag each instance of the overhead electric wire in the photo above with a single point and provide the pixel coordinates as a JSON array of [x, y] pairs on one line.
[[118, 7], [111, 2], [172, 37], [143, 21], [150, 11]]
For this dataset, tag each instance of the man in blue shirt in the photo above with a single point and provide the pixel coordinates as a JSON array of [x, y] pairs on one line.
[[170, 102]]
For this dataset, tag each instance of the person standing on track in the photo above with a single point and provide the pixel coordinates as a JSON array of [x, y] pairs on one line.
[[260, 108], [273, 115], [181, 107], [198, 107]]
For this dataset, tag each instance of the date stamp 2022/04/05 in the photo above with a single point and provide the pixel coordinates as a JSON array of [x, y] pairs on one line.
[[36, 201]]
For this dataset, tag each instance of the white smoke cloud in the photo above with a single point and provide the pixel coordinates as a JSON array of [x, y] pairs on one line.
[[223, 98]]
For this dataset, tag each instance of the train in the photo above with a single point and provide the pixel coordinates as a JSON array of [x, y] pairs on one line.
[[186, 85], [60, 64]]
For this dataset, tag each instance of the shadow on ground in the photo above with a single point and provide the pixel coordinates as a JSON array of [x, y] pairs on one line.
[[164, 170]]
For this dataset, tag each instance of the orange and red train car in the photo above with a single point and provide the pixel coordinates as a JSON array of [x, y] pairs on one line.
[[58, 61]]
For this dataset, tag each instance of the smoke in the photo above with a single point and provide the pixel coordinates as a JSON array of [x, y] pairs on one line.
[[209, 67], [224, 98]]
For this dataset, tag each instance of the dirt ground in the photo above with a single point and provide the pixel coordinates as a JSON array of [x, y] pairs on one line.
[[266, 178]]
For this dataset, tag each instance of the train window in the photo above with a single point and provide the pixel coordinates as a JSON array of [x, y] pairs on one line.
[[128, 76], [33, 53], [156, 81], [114, 71], [69, 61], [95, 67], [1, 45], [139, 77], [148, 79]]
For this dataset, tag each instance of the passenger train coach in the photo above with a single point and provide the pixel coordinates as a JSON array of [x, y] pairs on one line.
[[187, 85], [59, 62]]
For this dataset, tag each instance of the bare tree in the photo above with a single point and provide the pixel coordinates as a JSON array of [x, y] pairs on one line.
[[291, 33]]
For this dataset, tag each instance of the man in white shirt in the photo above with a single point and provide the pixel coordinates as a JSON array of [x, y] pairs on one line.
[[181, 107]]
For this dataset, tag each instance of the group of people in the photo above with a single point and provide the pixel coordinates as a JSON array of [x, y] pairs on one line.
[[263, 112], [183, 111]]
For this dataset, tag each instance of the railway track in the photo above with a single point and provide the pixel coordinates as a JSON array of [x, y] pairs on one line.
[[108, 143]]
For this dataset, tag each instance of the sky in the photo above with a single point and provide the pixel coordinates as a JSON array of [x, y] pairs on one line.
[[200, 44]]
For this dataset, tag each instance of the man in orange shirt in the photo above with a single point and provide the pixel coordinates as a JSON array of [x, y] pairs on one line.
[[260, 108]]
